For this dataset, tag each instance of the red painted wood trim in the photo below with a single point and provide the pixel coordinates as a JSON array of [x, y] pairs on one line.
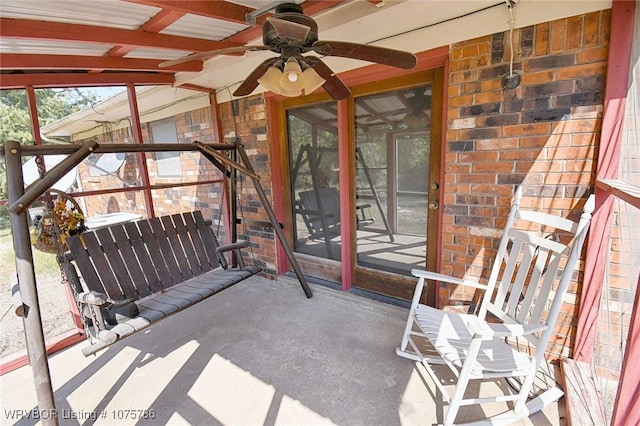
[[346, 153], [277, 180], [79, 62], [40, 30], [54, 80], [626, 410], [428, 59], [55, 344], [443, 155], [33, 116], [225, 11], [142, 158], [620, 43]]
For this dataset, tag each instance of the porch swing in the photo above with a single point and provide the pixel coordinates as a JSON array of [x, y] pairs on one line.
[[136, 273]]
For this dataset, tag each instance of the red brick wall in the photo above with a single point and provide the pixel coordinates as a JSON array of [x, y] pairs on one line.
[[246, 120], [543, 135]]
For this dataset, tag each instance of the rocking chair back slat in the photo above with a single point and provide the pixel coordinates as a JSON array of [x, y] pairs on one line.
[[549, 220], [509, 271], [529, 298], [515, 289], [545, 290]]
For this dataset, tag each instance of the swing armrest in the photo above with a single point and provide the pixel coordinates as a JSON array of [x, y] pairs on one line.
[[93, 298], [92, 302], [233, 246]]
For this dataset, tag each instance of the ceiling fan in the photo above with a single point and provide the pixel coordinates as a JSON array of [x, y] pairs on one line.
[[290, 33]]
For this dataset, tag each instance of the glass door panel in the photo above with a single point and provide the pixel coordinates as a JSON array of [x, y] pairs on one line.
[[392, 179], [412, 164], [313, 153]]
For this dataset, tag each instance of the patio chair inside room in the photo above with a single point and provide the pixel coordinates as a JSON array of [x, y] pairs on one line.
[[507, 336]]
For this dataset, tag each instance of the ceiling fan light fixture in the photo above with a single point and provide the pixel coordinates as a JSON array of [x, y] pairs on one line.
[[312, 80], [291, 79], [271, 80]]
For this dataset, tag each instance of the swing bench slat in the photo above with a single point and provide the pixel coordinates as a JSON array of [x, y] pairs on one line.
[[162, 265]]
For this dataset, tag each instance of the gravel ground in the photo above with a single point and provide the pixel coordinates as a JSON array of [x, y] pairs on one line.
[[54, 306]]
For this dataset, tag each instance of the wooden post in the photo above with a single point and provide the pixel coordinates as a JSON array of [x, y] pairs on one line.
[[346, 157], [34, 334], [136, 128], [626, 410], [621, 40]]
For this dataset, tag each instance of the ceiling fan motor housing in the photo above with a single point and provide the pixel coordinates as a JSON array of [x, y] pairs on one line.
[[291, 12]]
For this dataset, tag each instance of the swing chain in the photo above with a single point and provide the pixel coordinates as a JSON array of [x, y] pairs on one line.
[[243, 221]]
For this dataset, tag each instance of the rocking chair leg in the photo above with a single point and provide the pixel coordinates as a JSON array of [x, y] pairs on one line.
[[523, 394], [463, 381]]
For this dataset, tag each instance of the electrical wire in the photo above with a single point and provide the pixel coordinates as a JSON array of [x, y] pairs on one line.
[[510, 4]]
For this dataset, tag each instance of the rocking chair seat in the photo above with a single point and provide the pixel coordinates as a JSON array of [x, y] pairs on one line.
[[451, 334]]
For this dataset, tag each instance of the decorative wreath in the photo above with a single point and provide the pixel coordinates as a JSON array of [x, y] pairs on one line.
[[61, 218]]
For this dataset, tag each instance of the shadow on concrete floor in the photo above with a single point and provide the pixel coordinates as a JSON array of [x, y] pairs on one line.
[[258, 353]]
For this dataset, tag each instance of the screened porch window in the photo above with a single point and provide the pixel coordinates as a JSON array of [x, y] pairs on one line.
[[165, 131]]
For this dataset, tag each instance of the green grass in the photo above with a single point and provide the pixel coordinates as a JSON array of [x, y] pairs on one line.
[[45, 263]]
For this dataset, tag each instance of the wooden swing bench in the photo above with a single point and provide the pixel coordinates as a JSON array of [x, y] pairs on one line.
[[135, 274], [320, 210]]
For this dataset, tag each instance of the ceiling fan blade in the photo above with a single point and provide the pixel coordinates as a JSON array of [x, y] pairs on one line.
[[251, 82], [380, 55], [333, 85], [288, 29], [212, 53]]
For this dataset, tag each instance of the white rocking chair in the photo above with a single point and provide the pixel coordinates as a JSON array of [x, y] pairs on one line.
[[522, 299]]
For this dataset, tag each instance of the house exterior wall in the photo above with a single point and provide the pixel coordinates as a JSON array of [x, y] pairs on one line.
[[191, 126], [246, 119], [544, 135]]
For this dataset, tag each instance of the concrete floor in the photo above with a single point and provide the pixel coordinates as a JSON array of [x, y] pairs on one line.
[[259, 353]]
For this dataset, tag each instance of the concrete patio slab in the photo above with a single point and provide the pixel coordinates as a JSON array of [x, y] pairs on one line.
[[258, 353]]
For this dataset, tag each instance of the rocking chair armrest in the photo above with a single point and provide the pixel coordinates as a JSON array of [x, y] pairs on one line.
[[490, 330], [446, 278], [93, 298], [233, 246]]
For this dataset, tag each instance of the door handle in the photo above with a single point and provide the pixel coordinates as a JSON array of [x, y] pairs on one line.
[[433, 205]]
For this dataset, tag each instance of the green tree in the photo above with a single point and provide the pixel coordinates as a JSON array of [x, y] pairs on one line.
[[52, 105], [15, 123]]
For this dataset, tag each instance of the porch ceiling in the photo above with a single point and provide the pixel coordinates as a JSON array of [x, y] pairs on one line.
[[62, 43]]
